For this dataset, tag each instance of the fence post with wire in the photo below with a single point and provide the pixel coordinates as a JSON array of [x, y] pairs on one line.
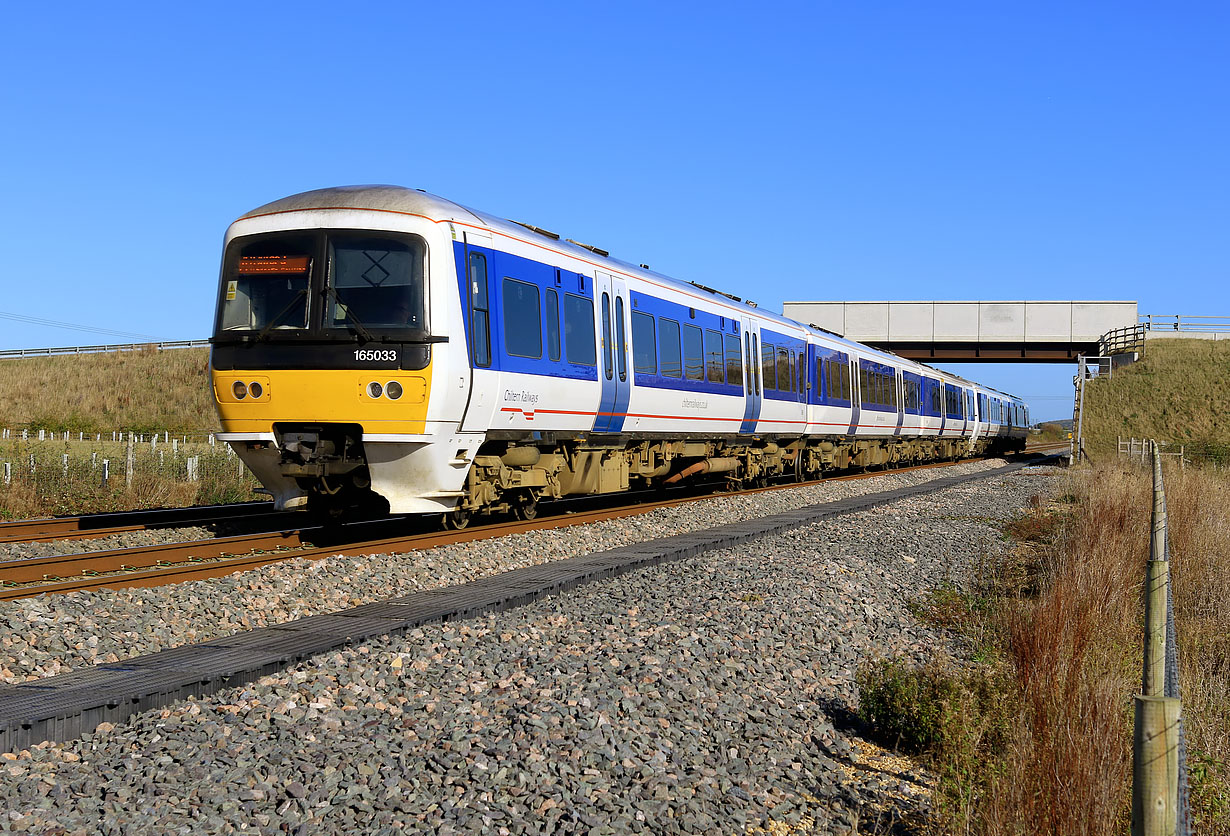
[[1159, 749]]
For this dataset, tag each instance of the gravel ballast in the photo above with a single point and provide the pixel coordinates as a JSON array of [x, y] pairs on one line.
[[691, 697], [54, 634]]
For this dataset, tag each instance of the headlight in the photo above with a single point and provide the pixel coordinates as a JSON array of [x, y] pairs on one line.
[[393, 390], [239, 389], [255, 389], [374, 389]]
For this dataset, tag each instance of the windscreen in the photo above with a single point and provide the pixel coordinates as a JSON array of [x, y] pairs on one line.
[[376, 283], [266, 286]]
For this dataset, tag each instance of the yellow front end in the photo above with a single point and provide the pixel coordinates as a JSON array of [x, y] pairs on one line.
[[328, 396]]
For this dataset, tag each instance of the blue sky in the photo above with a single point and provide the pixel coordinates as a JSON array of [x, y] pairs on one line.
[[886, 150]]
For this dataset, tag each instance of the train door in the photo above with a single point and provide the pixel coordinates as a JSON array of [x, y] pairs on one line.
[[611, 295], [477, 306], [899, 386], [856, 395], [751, 376], [811, 384]]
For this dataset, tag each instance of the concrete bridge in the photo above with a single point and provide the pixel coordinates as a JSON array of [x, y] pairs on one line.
[[998, 332]]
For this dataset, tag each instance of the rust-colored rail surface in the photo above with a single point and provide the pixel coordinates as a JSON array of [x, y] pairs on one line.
[[195, 560]]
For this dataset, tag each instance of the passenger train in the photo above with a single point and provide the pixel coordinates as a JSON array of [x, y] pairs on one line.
[[381, 349]]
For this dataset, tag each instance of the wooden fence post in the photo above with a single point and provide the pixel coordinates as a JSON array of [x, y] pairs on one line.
[[1155, 767], [1155, 628]]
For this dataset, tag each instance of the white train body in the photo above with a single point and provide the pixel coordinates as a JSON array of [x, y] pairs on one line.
[[437, 359]]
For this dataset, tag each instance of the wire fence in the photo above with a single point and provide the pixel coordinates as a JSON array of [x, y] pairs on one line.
[[1200, 453], [45, 473], [1159, 775]]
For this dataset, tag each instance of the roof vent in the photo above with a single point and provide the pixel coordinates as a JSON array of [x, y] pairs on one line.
[[554, 236], [590, 247], [717, 292]]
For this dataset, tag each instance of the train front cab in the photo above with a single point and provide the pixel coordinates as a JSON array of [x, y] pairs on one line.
[[327, 373]]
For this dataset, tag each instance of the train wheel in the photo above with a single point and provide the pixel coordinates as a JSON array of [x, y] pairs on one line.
[[458, 519], [526, 508]]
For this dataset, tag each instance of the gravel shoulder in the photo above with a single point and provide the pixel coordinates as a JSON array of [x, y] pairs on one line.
[[693, 697]]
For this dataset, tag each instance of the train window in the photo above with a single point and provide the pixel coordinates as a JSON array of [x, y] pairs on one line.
[[693, 353], [784, 381], [606, 335], [672, 360], [768, 364], [621, 343], [747, 360], [375, 283], [734, 365], [266, 286], [579, 330], [644, 344], [755, 366], [480, 322], [714, 361], [801, 368], [522, 319], [552, 324]]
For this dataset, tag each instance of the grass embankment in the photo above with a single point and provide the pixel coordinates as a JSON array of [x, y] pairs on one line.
[[1032, 733], [1176, 393], [143, 391]]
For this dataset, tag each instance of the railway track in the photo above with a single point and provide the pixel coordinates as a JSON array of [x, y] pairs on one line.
[[195, 560], [64, 706], [94, 526]]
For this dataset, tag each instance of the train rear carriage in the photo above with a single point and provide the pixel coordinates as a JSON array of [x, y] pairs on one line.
[[384, 349]]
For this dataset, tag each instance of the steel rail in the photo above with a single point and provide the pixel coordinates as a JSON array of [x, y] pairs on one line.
[[195, 560], [93, 526]]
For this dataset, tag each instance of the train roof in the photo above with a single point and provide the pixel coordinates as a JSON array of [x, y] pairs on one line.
[[376, 198], [406, 201]]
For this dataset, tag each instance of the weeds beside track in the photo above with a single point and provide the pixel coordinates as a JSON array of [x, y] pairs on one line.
[[1033, 733]]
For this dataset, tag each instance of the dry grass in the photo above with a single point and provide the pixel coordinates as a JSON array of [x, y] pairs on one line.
[[1198, 504], [1076, 649], [160, 478], [145, 391], [1176, 393], [1033, 734]]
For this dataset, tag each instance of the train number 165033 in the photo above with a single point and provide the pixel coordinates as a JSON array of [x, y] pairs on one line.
[[379, 355]]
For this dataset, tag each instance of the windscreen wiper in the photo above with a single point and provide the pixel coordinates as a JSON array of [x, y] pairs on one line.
[[350, 316], [264, 332]]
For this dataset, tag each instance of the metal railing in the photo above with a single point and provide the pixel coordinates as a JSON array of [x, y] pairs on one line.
[[100, 349], [1178, 322], [1159, 747], [1130, 338]]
